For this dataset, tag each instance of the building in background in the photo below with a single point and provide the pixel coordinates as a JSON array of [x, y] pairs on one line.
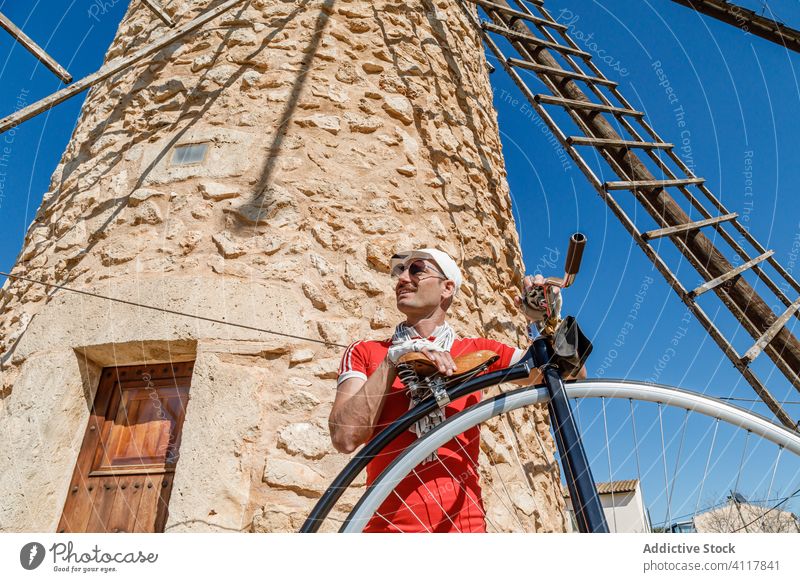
[[623, 506]]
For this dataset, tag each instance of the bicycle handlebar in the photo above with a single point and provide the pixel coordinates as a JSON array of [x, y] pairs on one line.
[[539, 298], [574, 255], [572, 263]]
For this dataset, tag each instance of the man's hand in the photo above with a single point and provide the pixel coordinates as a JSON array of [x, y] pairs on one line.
[[443, 360], [548, 305]]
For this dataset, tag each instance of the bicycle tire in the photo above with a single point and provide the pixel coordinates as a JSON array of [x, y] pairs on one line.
[[530, 395]]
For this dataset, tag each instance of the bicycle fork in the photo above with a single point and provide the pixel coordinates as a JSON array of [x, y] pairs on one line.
[[580, 482]]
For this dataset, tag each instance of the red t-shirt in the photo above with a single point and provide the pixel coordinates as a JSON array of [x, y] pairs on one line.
[[442, 495]]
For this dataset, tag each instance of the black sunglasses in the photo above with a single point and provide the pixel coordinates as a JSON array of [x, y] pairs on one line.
[[415, 269]]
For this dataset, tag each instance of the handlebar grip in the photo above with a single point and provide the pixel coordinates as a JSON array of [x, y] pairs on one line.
[[574, 253]]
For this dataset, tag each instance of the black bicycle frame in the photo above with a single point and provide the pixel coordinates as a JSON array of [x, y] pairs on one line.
[[580, 482], [522, 369]]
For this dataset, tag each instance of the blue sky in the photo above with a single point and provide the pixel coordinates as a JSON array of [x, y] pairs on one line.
[[729, 98], [732, 103], [77, 38]]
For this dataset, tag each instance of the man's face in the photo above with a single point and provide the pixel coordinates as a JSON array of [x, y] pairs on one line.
[[421, 291]]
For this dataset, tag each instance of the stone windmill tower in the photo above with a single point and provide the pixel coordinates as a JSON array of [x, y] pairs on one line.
[[259, 170]]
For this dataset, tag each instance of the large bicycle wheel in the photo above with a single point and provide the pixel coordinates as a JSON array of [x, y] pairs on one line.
[[701, 483]]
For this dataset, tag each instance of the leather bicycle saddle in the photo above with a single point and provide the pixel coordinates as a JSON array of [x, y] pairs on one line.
[[465, 363]]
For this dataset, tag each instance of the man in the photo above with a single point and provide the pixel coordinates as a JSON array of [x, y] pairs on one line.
[[442, 495]]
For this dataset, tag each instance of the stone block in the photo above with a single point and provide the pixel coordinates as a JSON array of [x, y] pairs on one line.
[[218, 190], [329, 123], [299, 401], [141, 194], [305, 439], [227, 247], [301, 356], [400, 108], [294, 476]]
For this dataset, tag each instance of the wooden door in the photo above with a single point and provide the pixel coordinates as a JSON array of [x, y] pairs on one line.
[[123, 477]]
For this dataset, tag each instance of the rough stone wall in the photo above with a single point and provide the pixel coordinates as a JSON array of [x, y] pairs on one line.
[[337, 132]]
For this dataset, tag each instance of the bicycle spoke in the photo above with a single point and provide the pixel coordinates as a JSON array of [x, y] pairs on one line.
[[774, 471], [403, 501], [700, 483], [679, 466], [444, 512], [705, 472], [762, 525], [467, 493], [498, 496], [508, 495], [741, 463], [648, 527], [677, 460], [764, 477], [519, 461], [635, 442], [664, 458], [390, 523], [715, 463], [551, 465], [610, 472]]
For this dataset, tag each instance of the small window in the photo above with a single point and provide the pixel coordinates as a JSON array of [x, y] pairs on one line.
[[193, 153]]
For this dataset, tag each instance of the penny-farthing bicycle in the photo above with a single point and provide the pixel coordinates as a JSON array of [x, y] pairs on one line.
[[769, 468]]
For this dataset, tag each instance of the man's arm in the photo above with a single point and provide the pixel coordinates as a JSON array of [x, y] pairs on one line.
[[357, 407]]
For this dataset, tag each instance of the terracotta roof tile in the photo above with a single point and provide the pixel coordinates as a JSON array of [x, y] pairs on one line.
[[628, 485]]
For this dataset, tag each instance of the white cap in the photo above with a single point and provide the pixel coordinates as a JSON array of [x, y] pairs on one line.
[[447, 265]]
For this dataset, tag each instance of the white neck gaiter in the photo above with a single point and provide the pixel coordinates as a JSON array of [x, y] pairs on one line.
[[444, 335]]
